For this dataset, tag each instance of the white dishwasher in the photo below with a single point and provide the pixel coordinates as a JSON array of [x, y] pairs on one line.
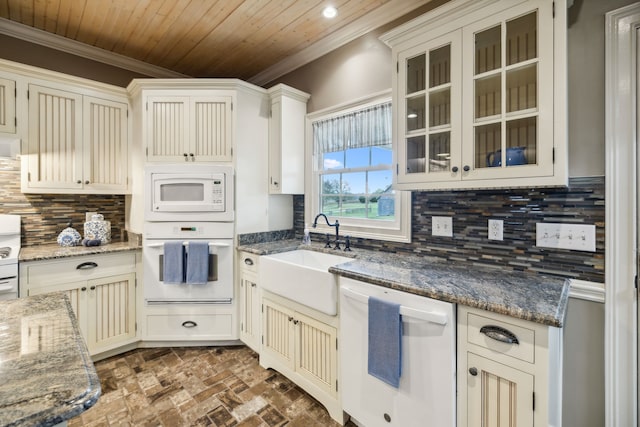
[[426, 395]]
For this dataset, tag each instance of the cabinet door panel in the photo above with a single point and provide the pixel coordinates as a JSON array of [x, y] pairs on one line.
[[498, 395], [105, 133], [77, 293], [249, 310], [211, 128], [7, 106], [278, 332], [55, 139], [168, 128], [112, 302], [316, 352]]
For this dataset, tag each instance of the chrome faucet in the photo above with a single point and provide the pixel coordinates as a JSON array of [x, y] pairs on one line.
[[336, 225]]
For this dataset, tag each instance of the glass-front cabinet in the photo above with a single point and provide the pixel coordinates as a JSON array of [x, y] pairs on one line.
[[480, 96]]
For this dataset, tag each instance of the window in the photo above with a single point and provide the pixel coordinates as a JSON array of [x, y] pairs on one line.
[[352, 173]]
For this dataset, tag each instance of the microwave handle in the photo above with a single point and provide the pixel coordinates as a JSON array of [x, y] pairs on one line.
[[212, 244]]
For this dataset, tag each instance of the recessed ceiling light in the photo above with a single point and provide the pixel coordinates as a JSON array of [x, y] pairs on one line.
[[330, 12]]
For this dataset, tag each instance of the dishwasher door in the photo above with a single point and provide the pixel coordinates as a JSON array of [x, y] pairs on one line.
[[427, 392]]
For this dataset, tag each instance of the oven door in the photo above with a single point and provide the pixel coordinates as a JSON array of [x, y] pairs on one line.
[[218, 290]]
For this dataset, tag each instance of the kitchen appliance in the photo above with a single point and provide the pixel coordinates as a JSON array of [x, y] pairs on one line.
[[219, 287], [9, 251], [179, 192], [427, 391]]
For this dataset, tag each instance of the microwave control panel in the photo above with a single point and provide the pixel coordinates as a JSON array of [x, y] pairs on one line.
[[217, 189]]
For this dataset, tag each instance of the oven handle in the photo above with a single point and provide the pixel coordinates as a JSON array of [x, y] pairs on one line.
[[212, 244], [7, 288]]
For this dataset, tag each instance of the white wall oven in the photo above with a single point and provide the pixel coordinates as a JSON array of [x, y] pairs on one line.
[[218, 288], [179, 192]]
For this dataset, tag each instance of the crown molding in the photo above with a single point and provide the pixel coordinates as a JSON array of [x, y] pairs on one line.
[[376, 18], [54, 41]]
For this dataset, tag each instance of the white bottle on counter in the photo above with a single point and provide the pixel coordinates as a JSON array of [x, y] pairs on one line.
[[306, 240]]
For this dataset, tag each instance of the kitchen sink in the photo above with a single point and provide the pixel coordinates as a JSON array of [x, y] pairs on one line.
[[303, 276]]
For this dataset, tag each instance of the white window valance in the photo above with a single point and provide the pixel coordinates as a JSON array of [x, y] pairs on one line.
[[369, 127]]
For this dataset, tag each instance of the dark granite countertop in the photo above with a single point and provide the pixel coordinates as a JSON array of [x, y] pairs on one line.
[[47, 374], [538, 298], [54, 251]]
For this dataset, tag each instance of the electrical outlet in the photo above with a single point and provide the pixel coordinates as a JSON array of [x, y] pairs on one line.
[[442, 226], [495, 229], [579, 237]]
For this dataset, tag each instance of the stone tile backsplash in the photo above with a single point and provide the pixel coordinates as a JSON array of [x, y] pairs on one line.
[[44, 216], [520, 209]]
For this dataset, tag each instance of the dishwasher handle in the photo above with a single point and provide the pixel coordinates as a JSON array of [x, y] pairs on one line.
[[429, 316]]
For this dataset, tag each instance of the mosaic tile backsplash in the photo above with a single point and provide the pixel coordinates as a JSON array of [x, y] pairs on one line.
[[520, 209], [44, 216]]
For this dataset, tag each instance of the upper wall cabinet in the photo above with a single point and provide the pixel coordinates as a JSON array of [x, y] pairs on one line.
[[7, 105], [76, 143], [286, 140], [480, 96], [188, 127]]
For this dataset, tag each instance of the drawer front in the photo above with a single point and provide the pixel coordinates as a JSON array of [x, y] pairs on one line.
[[249, 262], [523, 350], [185, 327], [77, 268]]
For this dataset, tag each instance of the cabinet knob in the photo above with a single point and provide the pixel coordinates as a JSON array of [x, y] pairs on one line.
[[84, 288], [93, 288], [193, 157], [290, 318], [466, 168], [248, 261], [186, 156], [473, 371], [78, 182], [295, 322], [86, 182], [189, 324], [454, 169], [253, 285]]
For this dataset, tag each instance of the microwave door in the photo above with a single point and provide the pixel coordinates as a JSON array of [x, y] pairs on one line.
[[179, 195]]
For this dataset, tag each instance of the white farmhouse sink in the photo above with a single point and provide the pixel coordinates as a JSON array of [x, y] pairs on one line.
[[302, 276]]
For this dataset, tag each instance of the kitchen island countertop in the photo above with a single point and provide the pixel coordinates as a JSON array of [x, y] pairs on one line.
[[55, 251], [538, 298], [47, 374]]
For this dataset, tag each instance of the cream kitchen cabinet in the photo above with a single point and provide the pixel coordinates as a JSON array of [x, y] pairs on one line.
[[302, 344], [480, 96], [249, 301], [76, 143], [509, 371], [102, 292], [286, 139], [189, 126], [7, 105]]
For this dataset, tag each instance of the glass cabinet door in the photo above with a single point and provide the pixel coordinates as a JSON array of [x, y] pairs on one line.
[[430, 110], [511, 58]]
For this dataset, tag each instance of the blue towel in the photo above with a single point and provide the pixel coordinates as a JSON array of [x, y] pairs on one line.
[[173, 263], [385, 341], [198, 263]]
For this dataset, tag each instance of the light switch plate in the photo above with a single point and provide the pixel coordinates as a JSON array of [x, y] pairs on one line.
[[495, 231], [578, 237], [442, 226]]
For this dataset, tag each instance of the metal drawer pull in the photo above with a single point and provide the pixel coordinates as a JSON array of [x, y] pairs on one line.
[[86, 265], [189, 324], [248, 261], [499, 334]]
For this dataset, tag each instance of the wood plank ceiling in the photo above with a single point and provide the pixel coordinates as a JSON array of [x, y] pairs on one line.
[[199, 38]]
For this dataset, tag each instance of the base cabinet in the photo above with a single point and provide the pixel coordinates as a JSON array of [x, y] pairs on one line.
[[302, 344], [104, 302], [249, 301], [509, 371]]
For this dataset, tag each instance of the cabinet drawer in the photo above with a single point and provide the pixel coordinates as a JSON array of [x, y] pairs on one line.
[[77, 268], [523, 350], [249, 262], [189, 326]]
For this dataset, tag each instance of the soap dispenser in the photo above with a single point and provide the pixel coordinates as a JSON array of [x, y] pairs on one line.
[[306, 240]]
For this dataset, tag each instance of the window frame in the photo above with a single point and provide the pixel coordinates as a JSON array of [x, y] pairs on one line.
[[396, 231]]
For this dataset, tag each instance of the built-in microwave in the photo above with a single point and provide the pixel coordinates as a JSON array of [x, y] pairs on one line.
[[179, 192]]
